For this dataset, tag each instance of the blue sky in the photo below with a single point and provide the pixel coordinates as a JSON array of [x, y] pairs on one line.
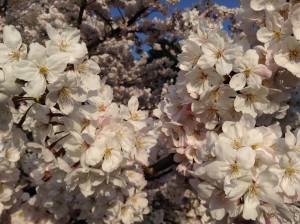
[[188, 3], [182, 5]]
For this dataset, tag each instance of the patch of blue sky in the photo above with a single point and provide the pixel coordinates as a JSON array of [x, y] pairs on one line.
[[183, 4]]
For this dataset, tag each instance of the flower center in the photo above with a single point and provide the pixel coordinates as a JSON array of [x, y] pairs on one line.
[[84, 145], [135, 116], [138, 143], [219, 53], [81, 68], [14, 56], [202, 78], [252, 190], [236, 144], [290, 171], [214, 96], [234, 169], [107, 152], [101, 107], [248, 71], [64, 94], [44, 70], [195, 59], [250, 98], [277, 34], [85, 122], [63, 46], [293, 54], [255, 146]]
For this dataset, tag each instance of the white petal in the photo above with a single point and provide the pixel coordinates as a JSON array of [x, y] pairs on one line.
[[36, 87], [25, 70], [12, 37], [250, 210], [238, 81], [37, 53]]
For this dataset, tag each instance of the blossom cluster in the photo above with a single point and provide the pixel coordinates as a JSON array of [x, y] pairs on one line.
[[67, 149], [69, 152], [231, 119]]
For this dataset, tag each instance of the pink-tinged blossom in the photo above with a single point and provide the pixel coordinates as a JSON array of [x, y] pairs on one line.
[[268, 5], [190, 55], [65, 42], [39, 69], [288, 172], [66, 93], [295, 20], [275, 31], [12, 50], [252, 100], [86, 73], [288, 56], [219, 52], [199, 80], [132, 113], [106, 150], [249, 71], [8, 86], [262, 189]]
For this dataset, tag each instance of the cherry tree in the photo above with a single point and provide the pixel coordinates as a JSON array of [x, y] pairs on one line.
[[202, 129]]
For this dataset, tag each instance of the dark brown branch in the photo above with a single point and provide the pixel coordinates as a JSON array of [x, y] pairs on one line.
[[107, 21], [117, 31], [161, 165], [4, 5], [21, 122], [83, 5]]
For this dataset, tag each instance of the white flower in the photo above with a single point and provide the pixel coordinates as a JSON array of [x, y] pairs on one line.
[[269, 5], [77, 144], [87, 74], [101, 102], [66, 93], [199, 80], [8, 86], [252, 100], [230, 163], [248, 71], [132, 114], [288, 55], [123, 130], [288, 171], [106, 149], [217, 51], [293, 140], [65, 42], [39, 69], [295, 20], [12, 50], [85, 178], [142, 145], [190, 55], [261, 190], [275, 30]]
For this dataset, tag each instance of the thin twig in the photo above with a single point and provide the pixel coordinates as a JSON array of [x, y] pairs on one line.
[[117, 31], [121, 14]]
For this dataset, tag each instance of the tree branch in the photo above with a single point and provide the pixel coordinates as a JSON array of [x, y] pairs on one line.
[[161, 165], [4, 5], [117, 31], [83, 5]]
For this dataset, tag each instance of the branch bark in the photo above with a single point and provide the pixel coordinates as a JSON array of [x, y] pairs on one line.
[[152, 172], [83, 5], [117, 31]]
